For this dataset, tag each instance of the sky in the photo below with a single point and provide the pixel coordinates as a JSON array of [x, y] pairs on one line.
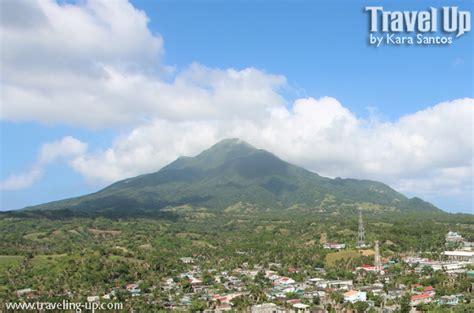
[[97, 91]]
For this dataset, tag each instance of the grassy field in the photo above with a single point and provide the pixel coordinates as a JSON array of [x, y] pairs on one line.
[[35, 236], [7, 261], [332, 258]]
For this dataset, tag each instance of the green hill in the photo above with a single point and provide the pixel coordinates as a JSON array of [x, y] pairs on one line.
[[234, 174]]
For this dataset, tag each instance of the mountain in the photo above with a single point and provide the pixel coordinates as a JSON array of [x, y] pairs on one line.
[[233, 175]]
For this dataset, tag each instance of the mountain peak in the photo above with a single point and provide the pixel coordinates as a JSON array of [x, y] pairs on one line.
[[233, 171], [223, 151], [232, 142]]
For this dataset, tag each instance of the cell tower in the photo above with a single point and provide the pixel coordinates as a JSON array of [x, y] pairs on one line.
[[377, 262], [361, 239]]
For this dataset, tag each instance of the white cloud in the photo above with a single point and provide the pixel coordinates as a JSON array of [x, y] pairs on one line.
[[21, 181], [96, 64], [420, 152], [62, 150]]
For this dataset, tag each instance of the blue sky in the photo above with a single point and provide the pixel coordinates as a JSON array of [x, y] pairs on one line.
[[319, 47]]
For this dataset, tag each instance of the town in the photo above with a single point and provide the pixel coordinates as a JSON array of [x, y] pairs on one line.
[[375, 283]]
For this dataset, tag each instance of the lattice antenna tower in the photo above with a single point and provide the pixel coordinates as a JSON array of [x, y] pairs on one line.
[[361, 237]]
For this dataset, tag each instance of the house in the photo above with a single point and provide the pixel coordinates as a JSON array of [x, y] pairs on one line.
[[453, 237], [187, 260], [93, 299], [449, 300], [224, 307], [367, 268], [293, 301], [292, 270], [354, 296], [133, 289], [267, 308], [429, 290], [27, 292], [301, 307], [334, 284], [194, 281], [421, 298], [186, 300], [393, 294], [334, 245], [227, 298], [284, 281]]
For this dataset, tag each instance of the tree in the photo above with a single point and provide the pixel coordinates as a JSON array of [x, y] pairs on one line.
[[361, 306], [337, 297], [316, 300], [198, 305], [405, 306]]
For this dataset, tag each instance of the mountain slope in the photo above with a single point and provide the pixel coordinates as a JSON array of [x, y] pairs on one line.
[[233, 172]]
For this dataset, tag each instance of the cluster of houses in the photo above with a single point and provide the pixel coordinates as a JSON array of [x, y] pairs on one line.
[[452, 262], [286, 293]]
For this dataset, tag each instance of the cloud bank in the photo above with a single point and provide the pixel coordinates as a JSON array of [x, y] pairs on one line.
[[97, 65]]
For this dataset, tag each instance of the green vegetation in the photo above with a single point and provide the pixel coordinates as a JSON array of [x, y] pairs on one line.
[[233, 207], [234, 176], [9, 261], [87, 256]]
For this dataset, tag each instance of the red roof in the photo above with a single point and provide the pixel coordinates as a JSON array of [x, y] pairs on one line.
[[292, 270], [350, 293], [420, 296], [429, 288]]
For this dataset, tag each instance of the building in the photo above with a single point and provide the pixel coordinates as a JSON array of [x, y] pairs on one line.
[[467, 245], [267, 308], [449, 300], [284, 281], [133, 289], [449, 267], [333, 245], [334, 284], [461, 256], [26, 293], [93, 299], [429, 290], [354, 296], [367, 268], [300, 307], [421, 298], [453, 237]]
